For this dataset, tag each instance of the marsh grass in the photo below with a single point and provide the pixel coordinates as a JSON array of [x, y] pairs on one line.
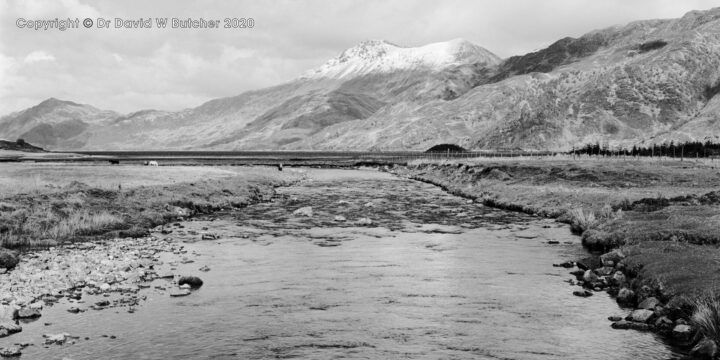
[[104, 201], [706, 316]]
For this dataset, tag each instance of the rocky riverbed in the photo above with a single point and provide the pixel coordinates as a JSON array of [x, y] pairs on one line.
[[348, 264]]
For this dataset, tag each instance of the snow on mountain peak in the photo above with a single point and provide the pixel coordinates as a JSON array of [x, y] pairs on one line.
[[380, 56]]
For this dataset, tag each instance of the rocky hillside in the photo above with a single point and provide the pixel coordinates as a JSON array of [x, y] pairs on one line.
[[648, 81]]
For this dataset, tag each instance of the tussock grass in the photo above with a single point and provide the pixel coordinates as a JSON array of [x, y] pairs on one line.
[[582, 220], [706, 317]]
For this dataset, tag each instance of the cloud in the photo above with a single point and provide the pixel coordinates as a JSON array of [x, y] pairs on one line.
[[171, 69], [38, 56]]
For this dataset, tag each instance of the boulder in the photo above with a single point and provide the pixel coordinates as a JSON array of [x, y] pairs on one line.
[[10, 351], [339, 218], [363, 222], [8, 312], [630, 325], [626, 297], [641, 315], [178, 211], [682, 332], [705, 349], [179, 292], [590, 277], [28, 313], [582, 293], [612, 258], [663, 323], [649, 303], [57, 339], [589, 263], [615, 318], [9, 327], [618, 278], [193, 281], [8, 258], [304, 211]]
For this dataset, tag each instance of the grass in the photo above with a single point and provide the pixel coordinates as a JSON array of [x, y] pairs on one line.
[[66, 203], [706, 317]]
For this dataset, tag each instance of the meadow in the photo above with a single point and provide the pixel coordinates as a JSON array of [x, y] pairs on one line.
[[45, 204]]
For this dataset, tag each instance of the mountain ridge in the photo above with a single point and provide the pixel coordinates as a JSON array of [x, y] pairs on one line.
[[646, 81]]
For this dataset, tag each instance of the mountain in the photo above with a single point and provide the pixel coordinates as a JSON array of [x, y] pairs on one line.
[[649, 81], [382, 57]]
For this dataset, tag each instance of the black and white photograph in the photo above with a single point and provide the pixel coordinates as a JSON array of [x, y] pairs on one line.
[[347, 179]]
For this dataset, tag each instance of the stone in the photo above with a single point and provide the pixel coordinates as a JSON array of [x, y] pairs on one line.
[[8, 258], [8, 312], [339, 218], [614, 318], [10, 351], [102, 303], [193, 281], [304, 211], [209, 237], [705, 349], [10, 327], [589, 263], [75, 310], [185, 286], [57, 339], [682, 332], [649, 303], [363, 221], [179, 292], [590, 277], [105, 287], [641, 315], [626, 297], [28, 313], [630, 325], [663, 323], [567, 264], [618, 278], [204, 268], [582, 293], [612, 258]]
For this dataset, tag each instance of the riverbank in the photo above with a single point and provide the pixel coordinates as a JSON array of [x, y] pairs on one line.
[[82, 233], [663, 219], [50, 204]]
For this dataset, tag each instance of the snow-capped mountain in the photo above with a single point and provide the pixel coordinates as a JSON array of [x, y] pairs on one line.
[[647, 81], [379, 56]]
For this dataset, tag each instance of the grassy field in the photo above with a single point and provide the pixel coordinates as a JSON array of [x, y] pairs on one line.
[[664, 214], [46, 204]]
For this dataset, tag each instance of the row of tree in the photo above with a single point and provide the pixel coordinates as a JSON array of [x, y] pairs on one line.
[[686, 149]]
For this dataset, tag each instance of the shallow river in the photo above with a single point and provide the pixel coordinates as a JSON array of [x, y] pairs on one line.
[[433, 277]]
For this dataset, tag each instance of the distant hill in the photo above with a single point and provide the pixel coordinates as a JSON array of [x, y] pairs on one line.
[[19, 145], [650, 81]]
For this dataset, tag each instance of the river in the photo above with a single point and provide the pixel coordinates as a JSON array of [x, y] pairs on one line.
[[432, 277]]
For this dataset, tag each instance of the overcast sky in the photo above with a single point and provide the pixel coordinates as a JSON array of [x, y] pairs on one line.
[[171, 69]]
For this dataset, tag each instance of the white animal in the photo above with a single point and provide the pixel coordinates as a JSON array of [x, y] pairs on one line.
[[153, 163]]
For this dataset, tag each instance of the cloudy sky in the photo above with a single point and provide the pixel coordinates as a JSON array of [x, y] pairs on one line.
[[171, 69]]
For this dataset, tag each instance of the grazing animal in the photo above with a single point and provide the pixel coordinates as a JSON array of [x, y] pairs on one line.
[[152, 163], [280, 167], [114, 162]]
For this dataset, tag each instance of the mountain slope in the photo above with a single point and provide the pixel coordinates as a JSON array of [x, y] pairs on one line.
[[647, 81]]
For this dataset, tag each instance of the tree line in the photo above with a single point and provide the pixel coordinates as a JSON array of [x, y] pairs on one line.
[[694, 149]]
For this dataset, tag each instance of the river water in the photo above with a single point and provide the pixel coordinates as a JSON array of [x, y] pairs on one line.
[[433, 277]]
